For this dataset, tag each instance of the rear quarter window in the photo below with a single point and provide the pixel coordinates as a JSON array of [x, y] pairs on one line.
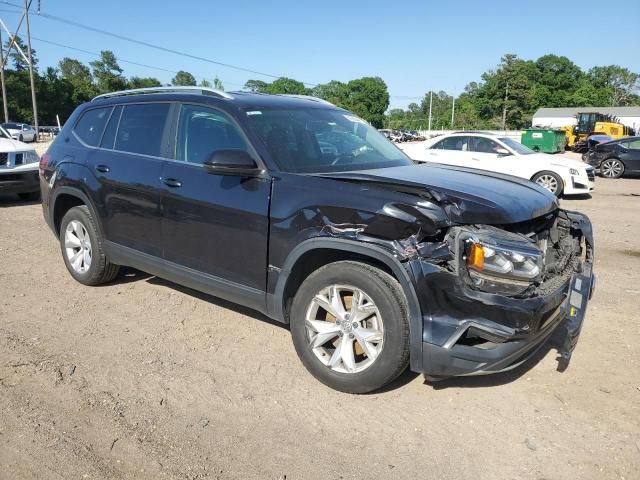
[[91, 124]]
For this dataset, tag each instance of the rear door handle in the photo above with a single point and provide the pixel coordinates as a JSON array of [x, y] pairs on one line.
[[172, 182], [103, 168]]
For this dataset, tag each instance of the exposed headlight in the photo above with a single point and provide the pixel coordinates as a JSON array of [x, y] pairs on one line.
[[573, 171], [30, 156], [502, 268]]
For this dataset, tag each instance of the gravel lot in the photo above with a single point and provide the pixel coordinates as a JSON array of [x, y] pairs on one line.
[[145, 379]]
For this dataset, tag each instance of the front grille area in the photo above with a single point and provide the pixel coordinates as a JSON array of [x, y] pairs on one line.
[[4, 158]]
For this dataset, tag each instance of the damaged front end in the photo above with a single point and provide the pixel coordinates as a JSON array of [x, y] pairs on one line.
[[494, 267], [504, 292]]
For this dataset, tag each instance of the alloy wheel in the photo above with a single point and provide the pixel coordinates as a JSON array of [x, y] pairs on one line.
[[611, 168], [549, 182], [78, 246], [344, 328]]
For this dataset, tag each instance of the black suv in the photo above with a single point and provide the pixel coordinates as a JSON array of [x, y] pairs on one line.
[[303, 211]]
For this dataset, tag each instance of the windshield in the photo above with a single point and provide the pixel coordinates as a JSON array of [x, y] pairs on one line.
[[516, 146], [314, 140]]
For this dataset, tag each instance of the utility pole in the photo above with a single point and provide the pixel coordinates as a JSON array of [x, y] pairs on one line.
[[27, 4], [453, 110], [4, 88], [504, 107], [430, 104]]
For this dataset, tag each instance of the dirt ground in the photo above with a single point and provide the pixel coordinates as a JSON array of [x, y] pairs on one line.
[[145, 379]]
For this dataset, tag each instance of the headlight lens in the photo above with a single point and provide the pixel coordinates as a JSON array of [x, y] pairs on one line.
[[30, 157], [573, 171], [505, 269]]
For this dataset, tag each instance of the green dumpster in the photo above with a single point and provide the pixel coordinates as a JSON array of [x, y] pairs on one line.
[[543, 140]]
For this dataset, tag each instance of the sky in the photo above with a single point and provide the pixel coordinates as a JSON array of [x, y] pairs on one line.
[[415, 46]]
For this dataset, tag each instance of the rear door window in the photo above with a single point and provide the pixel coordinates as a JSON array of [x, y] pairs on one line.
[[483, 145], [141, 128], [91, 125], [452, 143]]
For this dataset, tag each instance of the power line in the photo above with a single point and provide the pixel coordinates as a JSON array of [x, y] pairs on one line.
[[96, 54], [151, 45], [164, 49]]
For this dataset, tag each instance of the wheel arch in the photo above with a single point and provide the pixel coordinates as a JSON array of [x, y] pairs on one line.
[[65, 198], [302, 261]]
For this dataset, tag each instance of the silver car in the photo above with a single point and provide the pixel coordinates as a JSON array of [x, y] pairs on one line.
[[21, 131]]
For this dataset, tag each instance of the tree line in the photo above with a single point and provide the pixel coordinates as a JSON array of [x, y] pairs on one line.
[[505, 97], [509, 95]]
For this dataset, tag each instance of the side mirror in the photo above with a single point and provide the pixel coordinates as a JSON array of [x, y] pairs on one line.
[[232, 162], [503, 152]]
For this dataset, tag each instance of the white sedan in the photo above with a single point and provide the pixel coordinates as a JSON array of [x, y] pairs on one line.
[[558, 174], [21, 131]]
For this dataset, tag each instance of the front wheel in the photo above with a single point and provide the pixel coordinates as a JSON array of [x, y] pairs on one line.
[[21, 138], [551, 181], [612, 168], [350, 327]]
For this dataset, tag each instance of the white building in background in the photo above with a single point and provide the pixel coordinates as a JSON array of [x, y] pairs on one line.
[[559, 117]]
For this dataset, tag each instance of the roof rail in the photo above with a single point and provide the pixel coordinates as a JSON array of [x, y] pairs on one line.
[[142, 91], [307, 97]]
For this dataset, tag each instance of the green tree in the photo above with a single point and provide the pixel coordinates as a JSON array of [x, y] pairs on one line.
[[206, 83], [284, 85], [504, 97], [79, 77], [183, 79], [19, 63], [217, 84], [620, 84], [256, 86], [107, 73], [333, 91], [143, 82], [368, 97], [556, 80]]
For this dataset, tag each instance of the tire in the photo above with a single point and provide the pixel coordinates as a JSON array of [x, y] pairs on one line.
[[376, 357], [21, 138], [551, 181], [611, 168], [94, 269], [29, 196]]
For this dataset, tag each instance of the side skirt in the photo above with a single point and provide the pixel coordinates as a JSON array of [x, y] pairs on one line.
[[188, 277]]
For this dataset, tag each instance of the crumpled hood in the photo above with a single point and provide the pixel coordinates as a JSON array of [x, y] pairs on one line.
[[467, 195]]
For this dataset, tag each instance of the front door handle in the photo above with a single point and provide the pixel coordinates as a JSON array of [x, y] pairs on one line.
[[172, 182], [103, 168]]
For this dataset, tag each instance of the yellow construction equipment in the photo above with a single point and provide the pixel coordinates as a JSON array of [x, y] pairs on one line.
[[593, 123]]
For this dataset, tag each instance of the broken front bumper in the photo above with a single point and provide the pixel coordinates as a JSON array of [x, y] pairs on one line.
[[468, 332]]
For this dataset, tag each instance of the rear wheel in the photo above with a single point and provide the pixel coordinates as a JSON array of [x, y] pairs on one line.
[[350, 326], [82, 248], [551, 181], [611, 168]]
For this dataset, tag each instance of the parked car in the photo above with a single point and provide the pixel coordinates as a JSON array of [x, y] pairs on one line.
[[614, 159], [18, 168], [375, 262], [495, 153], [21, 131]]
